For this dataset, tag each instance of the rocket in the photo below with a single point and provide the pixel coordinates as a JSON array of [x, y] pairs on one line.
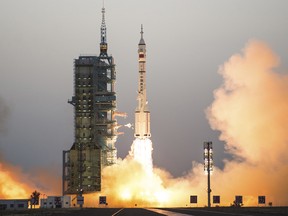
[[142, 113]]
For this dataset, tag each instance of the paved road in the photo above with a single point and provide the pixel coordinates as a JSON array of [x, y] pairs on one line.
[[260, 211], [136, 212], [274, 211], [186, 211]]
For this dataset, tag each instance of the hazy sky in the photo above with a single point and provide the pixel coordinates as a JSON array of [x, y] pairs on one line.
[[186, 42]]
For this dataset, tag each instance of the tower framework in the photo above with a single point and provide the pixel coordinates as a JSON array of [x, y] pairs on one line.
[[95, 126]]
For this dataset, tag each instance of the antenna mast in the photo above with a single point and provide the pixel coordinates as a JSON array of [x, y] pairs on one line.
[[103, 44]]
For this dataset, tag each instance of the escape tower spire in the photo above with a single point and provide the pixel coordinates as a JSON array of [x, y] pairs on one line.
[[103, 44]]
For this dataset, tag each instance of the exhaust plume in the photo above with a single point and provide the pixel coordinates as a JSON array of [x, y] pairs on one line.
[[15, 184], [250, 111]]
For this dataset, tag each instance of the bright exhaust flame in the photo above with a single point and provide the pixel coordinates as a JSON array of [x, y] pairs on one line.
[[146, 187], [11, 186], [141, 151], [132, 185]]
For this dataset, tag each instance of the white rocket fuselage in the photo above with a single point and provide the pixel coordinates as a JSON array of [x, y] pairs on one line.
[[142, 113]]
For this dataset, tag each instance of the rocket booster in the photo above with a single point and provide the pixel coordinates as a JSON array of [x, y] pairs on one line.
[[142, 113]]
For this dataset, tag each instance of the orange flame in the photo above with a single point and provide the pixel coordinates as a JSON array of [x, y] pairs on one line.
[[15, 184], [11, 186]]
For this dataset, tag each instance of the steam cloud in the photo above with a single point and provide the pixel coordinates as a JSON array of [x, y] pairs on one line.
[[250, 110]]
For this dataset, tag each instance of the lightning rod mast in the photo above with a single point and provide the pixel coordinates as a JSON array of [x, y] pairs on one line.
[[208, 167]]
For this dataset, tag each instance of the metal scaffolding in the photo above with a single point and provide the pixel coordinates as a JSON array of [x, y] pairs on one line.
[[95, 131]]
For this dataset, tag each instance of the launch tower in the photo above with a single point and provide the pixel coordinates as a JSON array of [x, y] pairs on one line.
[[95, 130]]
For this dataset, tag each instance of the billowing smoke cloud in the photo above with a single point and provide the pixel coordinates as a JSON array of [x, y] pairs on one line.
[[250, 110], [17, 184], [128, 184], [14, 182]]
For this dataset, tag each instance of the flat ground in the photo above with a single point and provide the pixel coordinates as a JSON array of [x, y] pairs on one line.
[[217, 211], [251, 211]]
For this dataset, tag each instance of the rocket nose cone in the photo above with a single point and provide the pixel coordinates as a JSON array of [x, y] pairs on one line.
[[141, 42]]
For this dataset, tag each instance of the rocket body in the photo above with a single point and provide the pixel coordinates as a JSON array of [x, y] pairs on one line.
[[142, 113]]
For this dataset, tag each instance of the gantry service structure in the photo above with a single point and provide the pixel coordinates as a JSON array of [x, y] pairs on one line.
[[95, 132]]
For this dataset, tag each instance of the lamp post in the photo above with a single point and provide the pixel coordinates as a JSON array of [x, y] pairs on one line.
[[208, 166]]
